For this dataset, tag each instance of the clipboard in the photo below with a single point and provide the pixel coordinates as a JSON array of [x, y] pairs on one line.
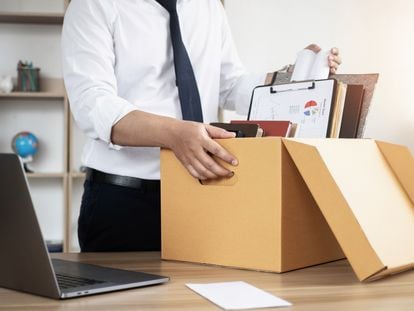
[[307, 103]]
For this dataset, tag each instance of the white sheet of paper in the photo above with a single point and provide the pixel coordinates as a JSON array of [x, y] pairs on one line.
[[303, 65], [311, 66], [237, 295], [320, 67]]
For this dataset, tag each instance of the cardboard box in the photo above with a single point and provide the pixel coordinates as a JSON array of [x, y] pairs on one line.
[[268, 216], [263, 218], [365, 190]]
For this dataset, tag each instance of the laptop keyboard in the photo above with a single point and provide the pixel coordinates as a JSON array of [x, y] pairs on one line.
[[68, 281]]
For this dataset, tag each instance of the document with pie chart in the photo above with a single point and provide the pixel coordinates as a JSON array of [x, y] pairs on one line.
[[308, 104]]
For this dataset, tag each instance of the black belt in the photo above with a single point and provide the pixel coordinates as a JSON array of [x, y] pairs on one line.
[[123, 181]]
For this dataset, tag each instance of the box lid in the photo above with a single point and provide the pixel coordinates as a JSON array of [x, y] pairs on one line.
[[365, 191], [401, 162]]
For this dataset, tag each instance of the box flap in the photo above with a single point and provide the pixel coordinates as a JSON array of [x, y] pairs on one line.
[[304, 228], [401, 162], [390, 271], [361, 199]]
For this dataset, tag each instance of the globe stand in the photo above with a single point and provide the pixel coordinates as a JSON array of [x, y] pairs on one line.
[[26, 162], [27, 169]]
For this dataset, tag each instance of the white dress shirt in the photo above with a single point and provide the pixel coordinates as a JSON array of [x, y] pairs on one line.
[[117, 57]]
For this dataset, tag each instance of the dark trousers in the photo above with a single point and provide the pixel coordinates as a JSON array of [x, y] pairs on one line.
[[116, 218]]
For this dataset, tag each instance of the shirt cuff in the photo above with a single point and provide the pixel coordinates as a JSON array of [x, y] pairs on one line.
[[107, 112]]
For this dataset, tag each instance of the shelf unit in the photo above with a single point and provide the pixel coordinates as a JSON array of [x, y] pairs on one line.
[[45, 175], [64, 176], [49, 183], [31, 18]]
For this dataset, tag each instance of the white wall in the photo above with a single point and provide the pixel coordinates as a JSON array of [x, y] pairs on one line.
[[373, 36], [39, 44]]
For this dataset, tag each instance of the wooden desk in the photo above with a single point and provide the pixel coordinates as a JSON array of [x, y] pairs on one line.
[[330, 286]]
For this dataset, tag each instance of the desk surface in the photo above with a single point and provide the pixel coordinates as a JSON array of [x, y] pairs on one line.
[[331, 286]]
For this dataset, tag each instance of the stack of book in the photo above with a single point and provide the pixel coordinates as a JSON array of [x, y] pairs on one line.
[[334, 107], [259, 128], [309, 103], [358, 95]]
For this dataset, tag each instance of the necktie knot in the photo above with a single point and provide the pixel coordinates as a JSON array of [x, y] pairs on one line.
[[169, 5]]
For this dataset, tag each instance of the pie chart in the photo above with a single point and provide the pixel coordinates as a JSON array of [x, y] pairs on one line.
[[311, 108]]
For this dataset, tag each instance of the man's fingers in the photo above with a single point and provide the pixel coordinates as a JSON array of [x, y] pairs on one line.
[[210, 164], [338, 59], [217, 132], [203, 166], [192, 171], [334, 60], [195, 148], [202, 171], [216, 149], [335, 51], [333, 66]]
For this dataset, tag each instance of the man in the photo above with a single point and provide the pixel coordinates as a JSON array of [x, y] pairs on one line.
[[123, 63]]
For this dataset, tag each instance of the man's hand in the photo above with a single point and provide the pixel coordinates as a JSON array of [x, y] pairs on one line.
[[193, 145], [334, 60], [191, 142]]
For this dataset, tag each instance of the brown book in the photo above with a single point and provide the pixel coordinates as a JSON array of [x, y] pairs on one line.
[[337, 110], [368, 81], [352, 111], [270, 127], [241, 130]]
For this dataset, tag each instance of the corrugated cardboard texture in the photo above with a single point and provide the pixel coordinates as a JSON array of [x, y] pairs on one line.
[[401, 162], [304, 229], [239, 223], [362, 200]]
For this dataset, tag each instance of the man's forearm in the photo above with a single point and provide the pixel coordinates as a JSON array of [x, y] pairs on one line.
[[140, 128], [191, 142]]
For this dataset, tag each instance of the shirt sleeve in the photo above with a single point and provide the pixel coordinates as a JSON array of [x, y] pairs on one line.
[[236, 84], [89, 68]]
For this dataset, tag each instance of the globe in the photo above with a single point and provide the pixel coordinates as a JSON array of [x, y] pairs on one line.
[[25, 144]]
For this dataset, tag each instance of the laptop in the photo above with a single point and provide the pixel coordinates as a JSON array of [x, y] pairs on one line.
[[25, 264]]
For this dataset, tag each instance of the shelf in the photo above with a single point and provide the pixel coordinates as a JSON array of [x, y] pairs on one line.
[[39, 95], [77, 175], [45, 175], [51, 101], [50, 88], [31, 18]]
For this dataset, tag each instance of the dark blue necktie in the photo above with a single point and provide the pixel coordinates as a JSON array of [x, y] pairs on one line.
[[185, 79]]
